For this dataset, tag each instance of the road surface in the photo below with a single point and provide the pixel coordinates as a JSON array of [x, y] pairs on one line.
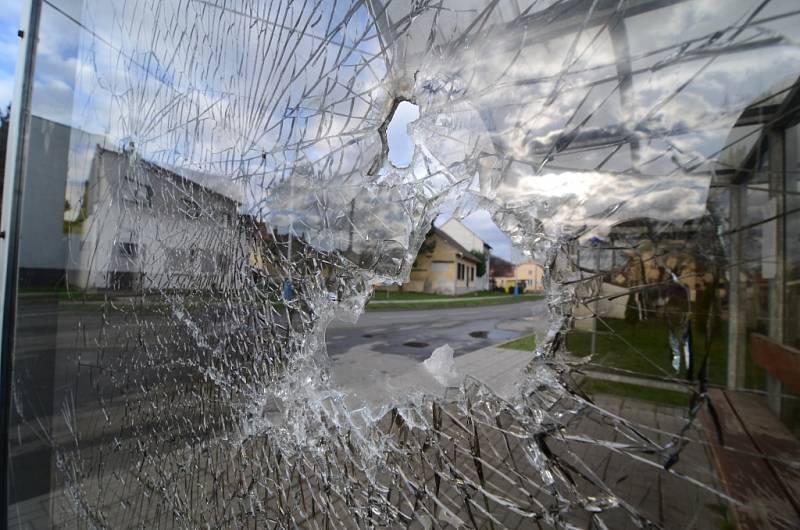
[[378, 360], [416, 333]]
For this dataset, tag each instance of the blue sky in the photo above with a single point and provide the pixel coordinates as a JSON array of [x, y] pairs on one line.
[[402, 146], [9, 25]]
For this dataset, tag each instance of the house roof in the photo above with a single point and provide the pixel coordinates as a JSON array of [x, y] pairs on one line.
[[173, 174], [471, 231], [529, 262], [466, 254], [499, 262]]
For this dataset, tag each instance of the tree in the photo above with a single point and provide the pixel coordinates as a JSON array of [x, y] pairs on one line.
[[480, 269]]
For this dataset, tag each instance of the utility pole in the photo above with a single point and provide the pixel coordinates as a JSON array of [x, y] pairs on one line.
[[595, 242]]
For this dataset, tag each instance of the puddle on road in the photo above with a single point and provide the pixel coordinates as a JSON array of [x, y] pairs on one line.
[[416, 344], [495, 334]]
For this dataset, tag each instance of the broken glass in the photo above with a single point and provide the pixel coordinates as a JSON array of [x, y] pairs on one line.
[[211, 184]]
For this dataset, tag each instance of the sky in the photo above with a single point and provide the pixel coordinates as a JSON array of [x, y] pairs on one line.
[[481, 223], [9, 25], [568, 193], [401, 145], [401, 148]]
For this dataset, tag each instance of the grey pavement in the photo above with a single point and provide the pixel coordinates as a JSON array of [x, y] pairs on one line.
[[378, 367], [667, 498], [378, 360]]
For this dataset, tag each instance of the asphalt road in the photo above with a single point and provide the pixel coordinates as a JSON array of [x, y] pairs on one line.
[[71, 349], [416, 333]]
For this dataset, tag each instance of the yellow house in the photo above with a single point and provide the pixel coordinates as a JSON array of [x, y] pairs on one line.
[[529, 275], [448, 267], [532, 274]]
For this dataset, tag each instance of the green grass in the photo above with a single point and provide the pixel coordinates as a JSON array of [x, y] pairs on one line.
[[526, 343], [389, 296], [645, 393], [643, 347], [597, 386], [476, 301], [61, 294], [650, 338]]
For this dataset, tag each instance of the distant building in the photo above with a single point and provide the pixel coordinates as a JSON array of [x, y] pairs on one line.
[[500, 268], [529, 276], [446, 268], [675, 254], [473, 243], [275, 258], [532, 274]]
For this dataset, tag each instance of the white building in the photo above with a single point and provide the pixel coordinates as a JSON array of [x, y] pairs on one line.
[[97, 218], [472, 242], [142, 226]]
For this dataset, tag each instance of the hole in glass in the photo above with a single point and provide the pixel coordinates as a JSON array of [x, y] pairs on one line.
[[401, 145]]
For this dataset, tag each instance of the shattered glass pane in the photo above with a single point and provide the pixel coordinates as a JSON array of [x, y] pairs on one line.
[[211, 187]]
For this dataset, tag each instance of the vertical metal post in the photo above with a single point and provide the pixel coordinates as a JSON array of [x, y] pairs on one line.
[[777, 302], [16, 150], [737, 348], [595, 304], [618, 32]]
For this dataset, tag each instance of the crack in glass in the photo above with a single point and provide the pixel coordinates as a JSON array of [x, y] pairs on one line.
[[229, 194]]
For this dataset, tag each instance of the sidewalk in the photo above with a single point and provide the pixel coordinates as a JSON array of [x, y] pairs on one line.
[[375, 380]]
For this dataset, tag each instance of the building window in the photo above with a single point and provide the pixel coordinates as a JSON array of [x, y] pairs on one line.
[[174, 258], [134, 192], [208, 262], [127, 250], [222, 262], [460, 275], [438, 266], [190, 208]]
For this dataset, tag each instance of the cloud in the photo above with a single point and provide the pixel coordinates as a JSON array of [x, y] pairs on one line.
[[480, 221], [189, 95]]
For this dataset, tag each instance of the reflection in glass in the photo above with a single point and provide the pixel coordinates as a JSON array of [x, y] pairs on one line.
[[209, 190]]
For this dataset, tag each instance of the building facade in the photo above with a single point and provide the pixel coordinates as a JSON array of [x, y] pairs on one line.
[[528, 276], [145, 227], [473, 243], [447, 268]]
